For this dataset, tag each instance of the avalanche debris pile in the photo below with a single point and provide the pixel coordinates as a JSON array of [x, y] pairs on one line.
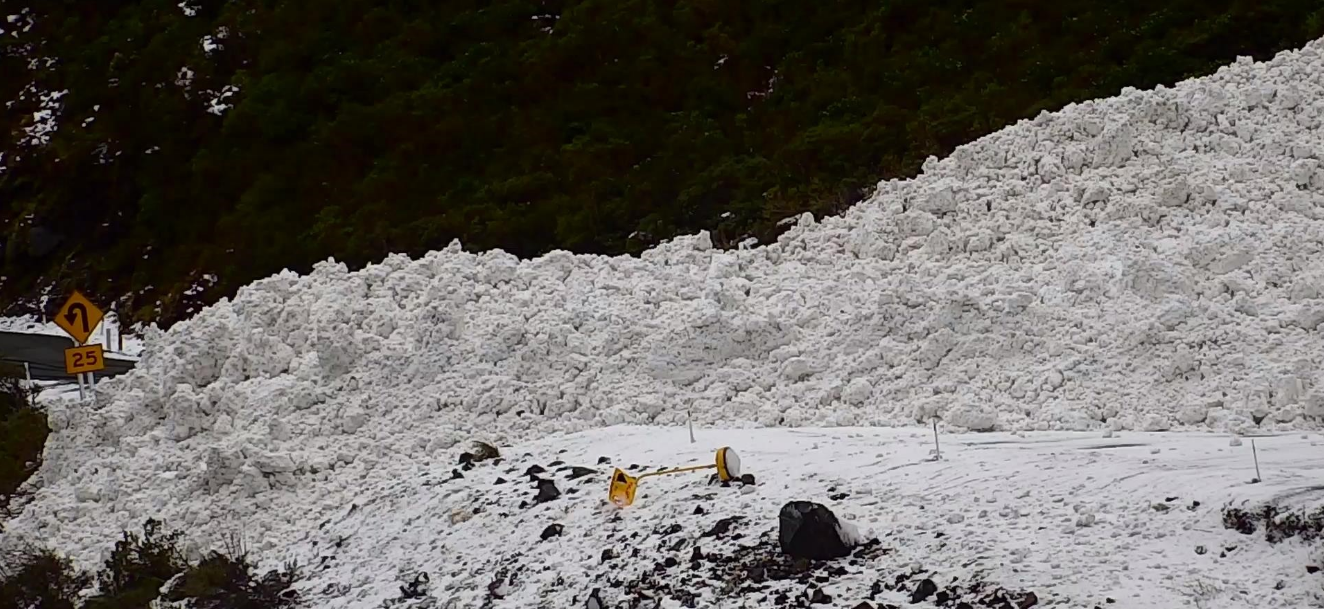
[[1150, 261]]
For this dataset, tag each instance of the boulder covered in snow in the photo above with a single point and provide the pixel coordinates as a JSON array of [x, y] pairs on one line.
[[811, 530]]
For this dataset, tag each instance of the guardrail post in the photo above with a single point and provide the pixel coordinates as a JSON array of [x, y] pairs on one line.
[[27, 375]]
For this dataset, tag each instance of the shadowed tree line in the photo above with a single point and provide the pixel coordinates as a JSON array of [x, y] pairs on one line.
[[307, 129]]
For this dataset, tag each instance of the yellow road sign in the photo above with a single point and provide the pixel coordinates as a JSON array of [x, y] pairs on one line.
[[78, 360], [624, 486], [79, 317]]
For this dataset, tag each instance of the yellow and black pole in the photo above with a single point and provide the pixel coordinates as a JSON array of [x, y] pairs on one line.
[[623, 485]]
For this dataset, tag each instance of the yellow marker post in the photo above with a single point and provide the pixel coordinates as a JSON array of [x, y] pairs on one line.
[[624, 486]]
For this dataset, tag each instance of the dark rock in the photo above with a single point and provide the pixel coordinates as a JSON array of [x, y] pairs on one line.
[[667, 531], [923, 591], [609, 554], [942, 598], [1312, 569], [747, 479], [552, 530], [604, 460], [580, 472], [418, 588], [594, 601], [810, 530], [838, 496], [534, 469], [670, 562], [547, 491], [1030, 599], [555, 463], [485, 452], [697, 555], [466, 458], [500, 480], [1201, 550], [820, 598], [698, 510], [863, 605], [456, 475], [722, 526]]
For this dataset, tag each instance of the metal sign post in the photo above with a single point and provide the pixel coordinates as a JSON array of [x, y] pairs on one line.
[[32, 394]]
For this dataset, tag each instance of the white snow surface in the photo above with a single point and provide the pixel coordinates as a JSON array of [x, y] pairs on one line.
[[1145, 262]]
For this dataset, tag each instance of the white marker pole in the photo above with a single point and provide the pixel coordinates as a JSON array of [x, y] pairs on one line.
[[27, 374], [690, 419], [92, 386], [937, 450], [82, 395]]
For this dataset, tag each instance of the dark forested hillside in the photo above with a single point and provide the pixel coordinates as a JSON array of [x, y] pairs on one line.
[[153, 145]]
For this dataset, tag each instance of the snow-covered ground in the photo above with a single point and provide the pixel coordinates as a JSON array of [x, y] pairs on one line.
[[1076, 518], [1149, 262]]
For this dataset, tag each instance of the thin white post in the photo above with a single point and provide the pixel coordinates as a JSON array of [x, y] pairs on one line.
[[82, 395], [690, 419], [92, 386], [27, 375], [937, 450]]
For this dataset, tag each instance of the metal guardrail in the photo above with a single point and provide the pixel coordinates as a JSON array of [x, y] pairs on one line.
[[44, 356]]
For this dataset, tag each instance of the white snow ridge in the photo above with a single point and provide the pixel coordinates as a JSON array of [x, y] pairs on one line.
[[1145, 262]]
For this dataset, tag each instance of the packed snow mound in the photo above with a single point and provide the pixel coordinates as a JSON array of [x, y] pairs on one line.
[[1150, 261]]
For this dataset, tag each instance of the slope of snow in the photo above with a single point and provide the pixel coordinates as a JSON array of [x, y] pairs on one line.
[[1073, 517], [1151, 261]]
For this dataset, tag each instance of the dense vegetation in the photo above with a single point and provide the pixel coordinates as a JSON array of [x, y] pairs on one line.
[[357, 128], [139, 568], [23, 432]]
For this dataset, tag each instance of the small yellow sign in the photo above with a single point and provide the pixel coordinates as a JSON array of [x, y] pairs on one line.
[[79, 317], [623, 487], [78, 360]]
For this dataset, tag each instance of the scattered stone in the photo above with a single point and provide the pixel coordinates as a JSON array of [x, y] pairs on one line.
[[838, 496], [547, 491], [552, 530], [698, 510], [670, 562], [747, 479], [609, 554], [466, 458], [534, 470], [820, 598], [500, 480], [923, 591], [485, 452], [1312, 569], [556, 463], [863, 605], [723, 526], [594, 600], [580, 472], [810, 530], [456, 475], [1201, 550], [604, 460]]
